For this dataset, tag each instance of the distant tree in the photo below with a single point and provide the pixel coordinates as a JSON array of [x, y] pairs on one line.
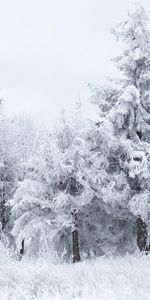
[[7, 171], [18, 139]]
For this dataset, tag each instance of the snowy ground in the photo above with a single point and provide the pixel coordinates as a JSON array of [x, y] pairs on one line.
[[103, 279]]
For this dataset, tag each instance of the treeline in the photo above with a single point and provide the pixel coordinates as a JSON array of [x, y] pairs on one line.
[[83, 189]]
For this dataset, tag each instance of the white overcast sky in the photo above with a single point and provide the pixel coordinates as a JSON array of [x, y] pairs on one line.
[[49, 49]]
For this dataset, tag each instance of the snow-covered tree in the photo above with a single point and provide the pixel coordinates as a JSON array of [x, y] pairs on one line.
[[132, 112], [56, 186], [18, 139], [7, 171], [127, 107]]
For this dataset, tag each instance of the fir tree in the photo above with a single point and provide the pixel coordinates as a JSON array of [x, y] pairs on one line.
[[55, 188], [127, 107]]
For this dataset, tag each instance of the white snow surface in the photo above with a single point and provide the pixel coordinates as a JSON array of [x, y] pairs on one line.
[[105, 278]]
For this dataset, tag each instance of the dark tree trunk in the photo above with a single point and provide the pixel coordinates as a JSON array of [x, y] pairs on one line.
[[22, 249], [142, 235], [75, 239]]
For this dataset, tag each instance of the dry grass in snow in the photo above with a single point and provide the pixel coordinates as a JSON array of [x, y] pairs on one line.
[[102, 279]]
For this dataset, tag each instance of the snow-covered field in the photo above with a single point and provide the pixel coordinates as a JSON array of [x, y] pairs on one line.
[[103, 279]]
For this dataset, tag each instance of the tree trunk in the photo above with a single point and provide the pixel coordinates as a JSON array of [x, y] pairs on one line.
[[22, 249], [142, 235], [75, 239]]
